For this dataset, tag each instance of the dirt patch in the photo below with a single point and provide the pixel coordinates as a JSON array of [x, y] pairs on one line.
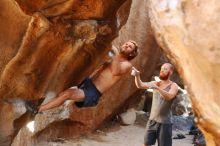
[[115, 134]]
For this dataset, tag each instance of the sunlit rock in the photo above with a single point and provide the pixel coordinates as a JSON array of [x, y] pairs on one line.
[[48, 46], [188, 32]]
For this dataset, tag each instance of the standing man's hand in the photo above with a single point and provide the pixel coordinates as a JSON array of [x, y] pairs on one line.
[[139, 83], [135, 72]]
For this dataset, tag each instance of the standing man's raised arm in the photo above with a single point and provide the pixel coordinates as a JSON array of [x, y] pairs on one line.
[[138, 82], [168, 95]]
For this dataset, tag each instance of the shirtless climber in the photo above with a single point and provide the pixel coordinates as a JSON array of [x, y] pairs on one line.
[[89, 91]]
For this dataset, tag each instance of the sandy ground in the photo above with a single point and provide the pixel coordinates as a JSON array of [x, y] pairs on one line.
[[115, 135]]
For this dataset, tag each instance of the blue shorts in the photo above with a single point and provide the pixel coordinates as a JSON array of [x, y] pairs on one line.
[[92, 94], [158, 131]]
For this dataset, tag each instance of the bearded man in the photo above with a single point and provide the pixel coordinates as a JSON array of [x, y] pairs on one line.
[[159, 126], [88, 93]]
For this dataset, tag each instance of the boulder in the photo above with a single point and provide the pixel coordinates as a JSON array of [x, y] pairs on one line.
[[84, 120], [46, 47], [128, 117], [188, 32], [54, 45]]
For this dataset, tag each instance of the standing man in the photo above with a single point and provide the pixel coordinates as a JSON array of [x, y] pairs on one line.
[[159, 126], [89, 91]]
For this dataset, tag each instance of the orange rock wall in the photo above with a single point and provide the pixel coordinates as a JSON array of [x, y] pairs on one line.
[[188, 31]]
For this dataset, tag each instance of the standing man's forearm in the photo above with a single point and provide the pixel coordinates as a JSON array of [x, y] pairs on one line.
[[138, 81], [168, 95]]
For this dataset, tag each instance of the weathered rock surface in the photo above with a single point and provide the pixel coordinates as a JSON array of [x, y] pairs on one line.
[[188, 31], [47, 46], [86, 119]]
